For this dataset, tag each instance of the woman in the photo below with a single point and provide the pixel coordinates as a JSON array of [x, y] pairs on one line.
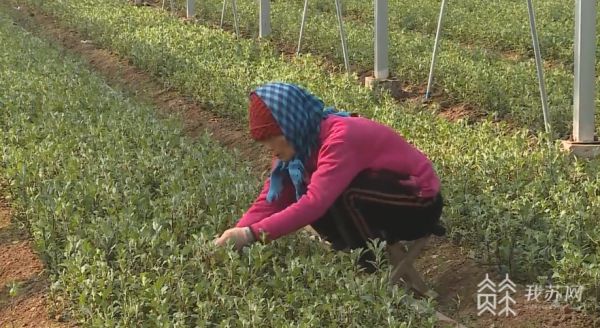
[[351, 179]]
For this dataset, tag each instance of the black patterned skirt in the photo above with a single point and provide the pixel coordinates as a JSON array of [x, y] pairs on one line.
[[379, 204]]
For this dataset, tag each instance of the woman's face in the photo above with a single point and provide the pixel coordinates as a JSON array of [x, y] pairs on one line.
[[280, 147]]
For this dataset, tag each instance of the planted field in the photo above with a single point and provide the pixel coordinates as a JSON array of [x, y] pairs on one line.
[[123, 206], [123, 209], [480, 77], [486, 57]]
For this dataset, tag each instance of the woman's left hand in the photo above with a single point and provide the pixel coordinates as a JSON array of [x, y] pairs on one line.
[[240, 236]]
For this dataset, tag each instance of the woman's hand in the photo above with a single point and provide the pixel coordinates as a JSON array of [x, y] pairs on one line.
[[240, 236]]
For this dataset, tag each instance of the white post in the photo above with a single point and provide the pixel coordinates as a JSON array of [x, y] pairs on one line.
[[235, 18], [585, 67], [223, 13], [190, 8], [302, 23], [381, 39], [539, 64], [338, 7], [438, 34], [265, 19]]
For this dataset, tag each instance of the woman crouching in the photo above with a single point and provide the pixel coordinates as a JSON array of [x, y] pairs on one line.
[[349, 178]]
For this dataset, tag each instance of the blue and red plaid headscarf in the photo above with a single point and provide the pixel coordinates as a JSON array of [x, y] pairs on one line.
[[298, 115]]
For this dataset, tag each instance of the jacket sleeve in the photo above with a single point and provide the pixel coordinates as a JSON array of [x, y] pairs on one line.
[[261, 209], [337, 165]]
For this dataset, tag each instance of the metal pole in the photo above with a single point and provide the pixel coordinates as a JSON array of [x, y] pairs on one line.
[[170, 4], [538, 64], [435, 50], [381, 69], [302, 26], [223, 13], [190, 8], [235, 17], [338, 8], [265, 19], [585, 67]]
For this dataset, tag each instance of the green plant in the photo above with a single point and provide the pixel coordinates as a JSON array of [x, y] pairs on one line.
[[510, 197], [123, 209]]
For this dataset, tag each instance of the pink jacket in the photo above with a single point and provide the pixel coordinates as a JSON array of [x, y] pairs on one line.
[[348, 146]]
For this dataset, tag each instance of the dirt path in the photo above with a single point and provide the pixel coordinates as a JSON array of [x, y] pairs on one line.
[[447, 267], [23, 283]]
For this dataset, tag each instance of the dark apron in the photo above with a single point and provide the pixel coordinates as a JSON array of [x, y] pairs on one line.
[[379, 204]]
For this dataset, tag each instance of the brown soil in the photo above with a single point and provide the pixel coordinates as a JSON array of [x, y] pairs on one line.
[[461, 112], [536, 315], [448, 267], [451, 272], [23, 284], [445, 106]]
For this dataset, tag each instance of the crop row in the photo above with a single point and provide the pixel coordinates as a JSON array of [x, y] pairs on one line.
[[496, 82], [123, 209], [500, 26], [518, 202]]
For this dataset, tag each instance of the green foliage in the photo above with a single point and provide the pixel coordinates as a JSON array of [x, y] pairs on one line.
[[486, 56], [123, 209], [519, 204], [509, 183], [515, 201]]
